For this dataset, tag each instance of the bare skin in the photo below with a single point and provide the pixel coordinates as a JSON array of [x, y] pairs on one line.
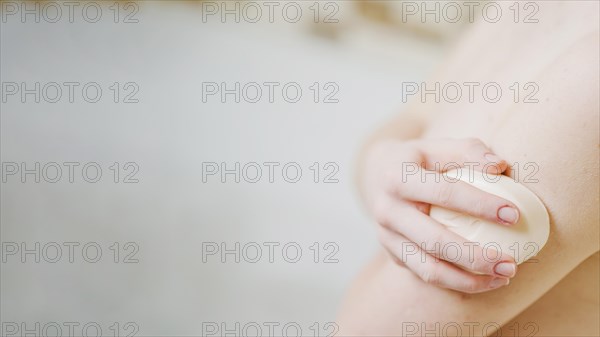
[[557, 295]]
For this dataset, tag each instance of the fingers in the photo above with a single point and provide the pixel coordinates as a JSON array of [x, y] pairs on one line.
[[436, 272], [427, 185], [438, 255], [469, 152], [433, 188], [434, 239]]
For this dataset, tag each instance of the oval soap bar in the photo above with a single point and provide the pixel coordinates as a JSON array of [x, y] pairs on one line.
[[522, 240]]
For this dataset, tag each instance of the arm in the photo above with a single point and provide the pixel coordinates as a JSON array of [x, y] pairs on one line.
[[389, 300]]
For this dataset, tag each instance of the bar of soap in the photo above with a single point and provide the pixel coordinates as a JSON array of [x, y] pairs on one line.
[[523, 240]]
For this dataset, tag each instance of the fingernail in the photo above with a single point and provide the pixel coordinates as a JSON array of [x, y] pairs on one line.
[[508, 214], [507, 269], [499, 282], [492, 157]]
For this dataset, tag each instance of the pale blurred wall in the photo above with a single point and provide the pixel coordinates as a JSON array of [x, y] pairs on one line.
[[168, 134]]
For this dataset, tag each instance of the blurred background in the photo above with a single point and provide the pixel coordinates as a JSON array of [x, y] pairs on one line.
[[114, 127]]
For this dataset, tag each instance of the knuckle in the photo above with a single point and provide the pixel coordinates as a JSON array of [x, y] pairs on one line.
[[473, 263], [431, 275], [384, 238], [482, 206], [473, 148], [388, 175], [382, 211], [397, 260], [472, 285], [444, 193], [473, 142], [478, 264], [392, 182], [434, 242]]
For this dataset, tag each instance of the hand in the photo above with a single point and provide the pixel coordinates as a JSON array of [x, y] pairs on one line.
[[401, 201]]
